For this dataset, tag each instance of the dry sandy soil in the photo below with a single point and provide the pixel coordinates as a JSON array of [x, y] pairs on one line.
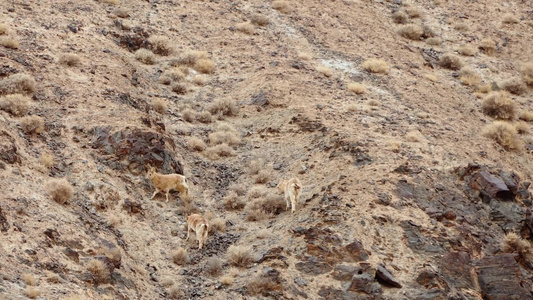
[[383, 172]]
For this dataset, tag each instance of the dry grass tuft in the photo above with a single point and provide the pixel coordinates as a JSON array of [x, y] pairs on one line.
[[304, 56], [262, 176], [213, 266], [121, 12], [513, 243], [450, 61], [3, 29], [205, 66], [256, 192], [431, 77], [527, 74], [31, 292], [245, 27], [484, 88], [413, 12], [227, 280], [255, 215], [434, 41], [191, 57], [357, 88], [224, 107], [112, 253], [259, 20], [188, 115], [111, 2], [114, 220], [172, 75], [47, 160], [262, 285], [60, 190], [232, 201], [204, 117], [160, 106], [69, 59], [29, 279], [488, 46], [467, 50], [469, 76], [462, 27], [521, 127], [526, 115], [224, 137], [510, 19], [499, 106], [219, 151], [400, 17], [176, 292], [180, 256], [145, 56], [240, 256], [32, 124], [217, 225], [515, 86], [376, 66], [8, 42], [282, 6], [199, 80], [238, 189], [160, 45], [16, 104], [18, 84], [504, 134], [411, 31], [256, 165], [196, 144], [52, 277], [99, 271], [325, 71], [179, 88]]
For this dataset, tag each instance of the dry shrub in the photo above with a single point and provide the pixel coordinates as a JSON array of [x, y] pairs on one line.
[[257, 192], [504, 134], [60, 190], [69, 59], [114, 220], [224, 137], [232, 201], [188, 115], [256, 165], [224, 107], [484, 88], [226, 127], [450, 61], [240, 256], [227, 280], [238, 189], [196, 144], [31, 292], [52, 277], [264, 208], [304, 56], [180, 256], [113, 254], [245, 27], [145, 56], [462, 27], [376, 66], [3, 29], [16, 104], [160, 106], [499, 106], [262, 234], [160, 45], [510, 19], [176, 292], [262, 176], [262, 285], [325, 71], [400, 17], [205, 66], [282, 6], [29, 279], [255, 215], [172, 75], [467, 50], [121, 12], [18, 84], [434, 41], [469, 76], [259, 20], [8, 42], [526, 115], [515, 86], [527, 74], [217, 225], [513, 243], [111, 2], [413, 12], [191, 57], [99, 271], [219, 151], [32, 124], [357, 88], [521, 127], [47, 160], [488, 46], [187, 208], [199, 80], [213, 266], [179, 88]]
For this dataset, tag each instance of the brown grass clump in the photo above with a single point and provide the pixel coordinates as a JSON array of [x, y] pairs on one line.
[[462, 27], [263, 176], [488, 46], [510, 19], [217, 225], [179, 88], [188, 115], [467, 50], [114, 220], [245, 27], [238, 189], [160, 45], [205, 66], [499, 106], [213, 266], [232, 201], [413, 12], [29, 279], [99, 271], [121, 12], [376, 66], [219, 151], [259, 20], [224, 107], [172, 75], [16, 104], [199, 80], [255, 215], [526, 115], [450, 61], [521, 127], [513, 243], [191, 57], [262, 285], [515, 86], [196, 144], [31, 292], [160, 106], [176, 292], [484, 88], [60, 190], [400, 17], [504, 134], [411, 31], [224, 137], [325, 71], [256, 165], [111, 2], [357, 88], [180, 256], [240, 256], [527, 74], [32, 124], [282, 6], [434, 41], [47, 160], [8, 42], [227, 280], [469, 76], [112, 253], [256, 192], [3, 29], [69, 59], [18, 84], [145, 56]]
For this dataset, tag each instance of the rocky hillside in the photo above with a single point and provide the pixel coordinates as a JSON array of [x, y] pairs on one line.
[[407, 122]]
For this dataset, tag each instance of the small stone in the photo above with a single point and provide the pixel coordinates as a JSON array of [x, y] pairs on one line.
[[300, 281]]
